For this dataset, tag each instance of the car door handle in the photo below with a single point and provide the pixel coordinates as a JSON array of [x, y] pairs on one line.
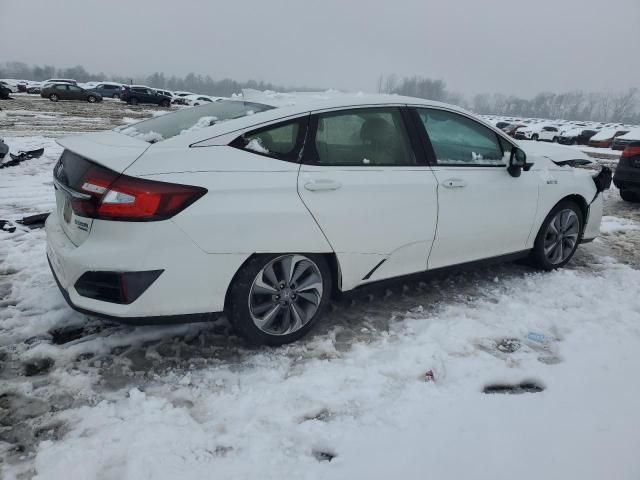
[[322, 184], [454, 183]]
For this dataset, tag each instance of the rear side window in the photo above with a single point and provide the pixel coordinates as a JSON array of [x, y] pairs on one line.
[[282, 141], [362, 137], [460, 141]]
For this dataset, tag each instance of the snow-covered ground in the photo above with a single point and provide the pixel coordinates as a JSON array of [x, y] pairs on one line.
[[390, 384]]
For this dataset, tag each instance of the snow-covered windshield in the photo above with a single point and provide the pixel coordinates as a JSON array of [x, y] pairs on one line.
[[190, 119]]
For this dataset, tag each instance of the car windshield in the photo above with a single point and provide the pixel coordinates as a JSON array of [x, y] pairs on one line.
[[190, 119]]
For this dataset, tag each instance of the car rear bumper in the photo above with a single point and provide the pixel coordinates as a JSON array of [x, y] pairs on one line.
[[193, 283], [627, 178]]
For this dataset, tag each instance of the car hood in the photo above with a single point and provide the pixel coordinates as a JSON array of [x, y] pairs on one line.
[[110, 149], [557, 154]]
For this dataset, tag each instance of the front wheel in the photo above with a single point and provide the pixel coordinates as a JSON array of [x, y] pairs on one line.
[[558, 237], [534, 137], [91, 99], [165, 103], [276, 299], [115, 96], [133, 101], [555, 140], [629, 196]]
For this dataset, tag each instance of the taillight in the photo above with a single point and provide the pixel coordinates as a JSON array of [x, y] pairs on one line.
[[118, 197], [631, 151]]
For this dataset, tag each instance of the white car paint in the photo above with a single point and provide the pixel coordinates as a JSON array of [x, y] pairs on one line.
[[255, 204]]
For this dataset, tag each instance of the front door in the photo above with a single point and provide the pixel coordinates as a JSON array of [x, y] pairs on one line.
[[370, 191], [484, 212]]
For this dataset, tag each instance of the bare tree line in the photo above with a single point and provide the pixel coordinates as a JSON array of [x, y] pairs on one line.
[[621, 107]]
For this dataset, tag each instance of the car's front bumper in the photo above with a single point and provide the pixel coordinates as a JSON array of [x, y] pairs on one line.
[[193, 282]]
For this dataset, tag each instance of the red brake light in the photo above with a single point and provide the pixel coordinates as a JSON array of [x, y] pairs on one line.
[[630, 151], [123, 198]]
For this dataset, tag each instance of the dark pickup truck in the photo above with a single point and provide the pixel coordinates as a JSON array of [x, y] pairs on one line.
[[136, 94]]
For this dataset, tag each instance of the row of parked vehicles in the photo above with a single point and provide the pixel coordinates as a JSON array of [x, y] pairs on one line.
[[616, 136], [57, 89]]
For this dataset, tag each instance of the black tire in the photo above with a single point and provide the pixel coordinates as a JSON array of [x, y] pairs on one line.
[[629, 196], [54, 97], [91, 99], [133, 101], [165, 103], [534, 137], [238, 300], [115, 96], [538, 258], [555, 140]]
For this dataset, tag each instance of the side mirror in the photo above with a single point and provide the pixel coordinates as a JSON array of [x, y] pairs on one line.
[[517, 162]]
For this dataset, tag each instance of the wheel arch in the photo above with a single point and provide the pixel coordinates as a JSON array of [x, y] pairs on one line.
[[330, 258]]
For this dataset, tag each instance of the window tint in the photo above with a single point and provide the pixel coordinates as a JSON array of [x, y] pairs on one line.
[[362, 137], [460, 141], [282, 141], [62, 87]]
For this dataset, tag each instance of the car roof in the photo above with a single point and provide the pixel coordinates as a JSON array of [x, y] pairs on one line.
[[303, 105]]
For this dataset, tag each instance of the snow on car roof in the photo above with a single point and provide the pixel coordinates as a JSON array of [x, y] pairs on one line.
[[634, 134]]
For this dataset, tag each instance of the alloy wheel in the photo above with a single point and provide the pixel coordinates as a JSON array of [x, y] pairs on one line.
[[561, 237], [285, 295]]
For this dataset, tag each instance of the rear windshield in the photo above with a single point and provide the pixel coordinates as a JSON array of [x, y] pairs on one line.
[[190, 119]]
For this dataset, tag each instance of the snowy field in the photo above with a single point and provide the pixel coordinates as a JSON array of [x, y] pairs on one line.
[[390, 385]]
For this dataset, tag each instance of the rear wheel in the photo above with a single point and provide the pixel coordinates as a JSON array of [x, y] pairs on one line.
[[115, 96], [555, 140], [558, 237], [276, 299], [54, 97], [629, 196], [534, 137], [133, 101]]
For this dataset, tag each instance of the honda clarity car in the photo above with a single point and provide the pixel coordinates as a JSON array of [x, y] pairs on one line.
[[265, 213]]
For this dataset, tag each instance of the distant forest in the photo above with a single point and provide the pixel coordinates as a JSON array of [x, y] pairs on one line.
[[622, 107], [574, 105]]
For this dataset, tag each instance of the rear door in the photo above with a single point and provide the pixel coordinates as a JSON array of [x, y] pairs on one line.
[[365, 180], [484, 212], [75, 93]]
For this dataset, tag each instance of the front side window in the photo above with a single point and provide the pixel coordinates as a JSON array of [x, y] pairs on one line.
[[362, 137], [282, 141], [460, 141]]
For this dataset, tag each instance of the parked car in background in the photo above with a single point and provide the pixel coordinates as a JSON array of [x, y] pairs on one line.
[[135, 94], [67, 91], [5, 91], [10, 84], [576, 136], [166, 93], [549, 134], [512, 129], [138, 236], [627, 174], [620, 142], [107, 89], [195, 100], [529, 132], [604, 138], [178, 97], [60, 80]]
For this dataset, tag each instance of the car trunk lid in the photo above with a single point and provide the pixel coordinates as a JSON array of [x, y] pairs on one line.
[[111, 150]]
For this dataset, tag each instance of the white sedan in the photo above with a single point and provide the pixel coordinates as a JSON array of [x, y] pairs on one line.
[[264, 213]]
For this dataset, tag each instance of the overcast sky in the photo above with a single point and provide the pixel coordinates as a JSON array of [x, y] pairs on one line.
[[508, 46]]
